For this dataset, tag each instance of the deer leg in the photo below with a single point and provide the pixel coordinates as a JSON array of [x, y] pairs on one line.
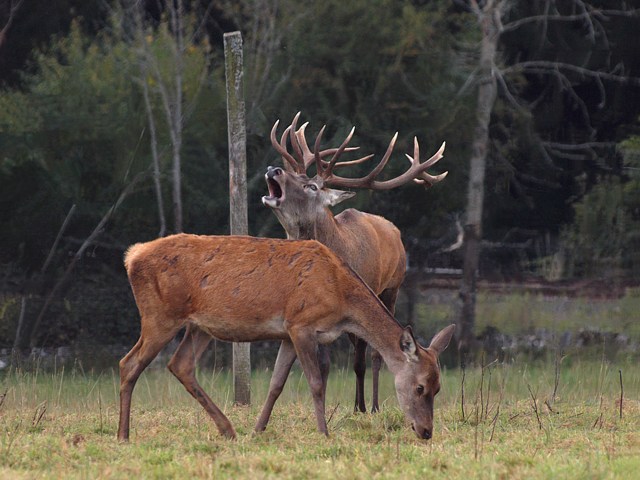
[[388, 297], [306, 344], [284, 361], [376, 363], [359, 367], [132, 365], [325, 363], [183, 366]]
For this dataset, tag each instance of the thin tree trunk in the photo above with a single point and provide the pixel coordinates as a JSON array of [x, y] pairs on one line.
[[176, 121], [155, 158], [15, 6], [489, 18]]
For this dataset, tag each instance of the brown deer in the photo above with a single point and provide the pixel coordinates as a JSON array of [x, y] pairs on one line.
[[243, 289], [370, 244]]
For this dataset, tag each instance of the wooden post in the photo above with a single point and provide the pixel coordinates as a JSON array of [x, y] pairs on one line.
[[237, 189]]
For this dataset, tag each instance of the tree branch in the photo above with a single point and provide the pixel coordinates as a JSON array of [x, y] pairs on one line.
[[588, 15], [15, 6], [549, 67]]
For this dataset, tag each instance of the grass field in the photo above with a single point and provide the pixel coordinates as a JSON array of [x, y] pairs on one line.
[[63, 425]]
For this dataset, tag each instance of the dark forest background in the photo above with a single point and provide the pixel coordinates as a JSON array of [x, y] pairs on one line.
[[81, 79]]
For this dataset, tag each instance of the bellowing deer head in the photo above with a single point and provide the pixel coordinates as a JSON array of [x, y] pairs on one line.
[[299, 201]]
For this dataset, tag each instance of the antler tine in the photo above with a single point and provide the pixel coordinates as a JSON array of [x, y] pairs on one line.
[[294, 144], [328, 166], [423, 178], [281, 149], [351, 162], [307, 155], [316, 153], [387, 155], [283, 143], [368, 180]]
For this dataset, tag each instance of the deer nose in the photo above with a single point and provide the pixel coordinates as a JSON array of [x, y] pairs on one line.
[[273, 171], [424, 434]]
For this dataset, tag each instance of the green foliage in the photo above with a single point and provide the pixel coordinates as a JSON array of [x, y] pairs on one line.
[[76, 133], [66, 137], [605, 234]]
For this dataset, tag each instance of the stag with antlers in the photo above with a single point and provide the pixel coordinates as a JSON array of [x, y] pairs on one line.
[[369, 244]]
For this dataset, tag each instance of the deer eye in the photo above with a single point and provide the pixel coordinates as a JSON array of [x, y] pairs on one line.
[[311, 186], [420, 389]]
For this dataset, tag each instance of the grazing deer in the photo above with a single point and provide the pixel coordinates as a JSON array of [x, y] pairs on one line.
[[370, 244], [243, 289]]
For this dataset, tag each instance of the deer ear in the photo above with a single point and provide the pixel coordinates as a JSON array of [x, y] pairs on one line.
[[441, 339], [408, 345], [334, 197]]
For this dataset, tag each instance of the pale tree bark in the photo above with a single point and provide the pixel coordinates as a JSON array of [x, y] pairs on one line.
[[169, 87], [489, 19], [171, 96], [146, 62], [155, 157], [174, 115], [143, 58], [14, 6]]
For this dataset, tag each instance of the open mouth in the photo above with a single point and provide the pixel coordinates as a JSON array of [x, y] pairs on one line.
[[276, 194]]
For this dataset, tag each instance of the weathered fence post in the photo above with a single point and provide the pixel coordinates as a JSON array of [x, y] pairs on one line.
[[237, 189]]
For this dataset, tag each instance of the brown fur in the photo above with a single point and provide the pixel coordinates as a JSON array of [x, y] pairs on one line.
[[247, 289]]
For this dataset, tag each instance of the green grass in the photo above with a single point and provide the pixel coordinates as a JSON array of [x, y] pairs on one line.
[[63, 425]]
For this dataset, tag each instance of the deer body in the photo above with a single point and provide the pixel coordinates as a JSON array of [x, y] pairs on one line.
[[369, 244], [247, 289]]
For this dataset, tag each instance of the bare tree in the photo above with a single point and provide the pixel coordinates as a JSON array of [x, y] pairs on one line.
[[143, 58], [264, 36], [166, 82], [172, 102], [492, 78]]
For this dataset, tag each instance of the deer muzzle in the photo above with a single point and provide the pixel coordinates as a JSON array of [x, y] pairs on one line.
[[276, 193]]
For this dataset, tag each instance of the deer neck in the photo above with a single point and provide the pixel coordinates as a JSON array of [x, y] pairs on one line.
[[321, 227], [371, 321]]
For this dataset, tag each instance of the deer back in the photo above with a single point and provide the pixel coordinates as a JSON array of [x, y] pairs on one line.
[[372, 246], [236, 288]]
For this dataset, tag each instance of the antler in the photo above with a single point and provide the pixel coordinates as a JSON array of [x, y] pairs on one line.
[[303, 158], [281, 148], [416, 172]]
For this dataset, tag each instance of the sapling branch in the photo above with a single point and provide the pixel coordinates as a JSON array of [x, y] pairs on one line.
[[534, 403], [462, 392], [621, 392]]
